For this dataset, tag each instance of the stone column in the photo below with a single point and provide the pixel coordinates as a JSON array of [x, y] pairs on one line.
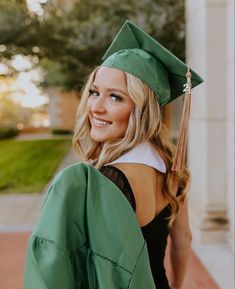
[[210, 153], [230, 118]]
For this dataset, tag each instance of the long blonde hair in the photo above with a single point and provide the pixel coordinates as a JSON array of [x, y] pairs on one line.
[[144, 125]]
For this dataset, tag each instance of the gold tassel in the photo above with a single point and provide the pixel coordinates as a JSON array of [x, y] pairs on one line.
[[179, 159]]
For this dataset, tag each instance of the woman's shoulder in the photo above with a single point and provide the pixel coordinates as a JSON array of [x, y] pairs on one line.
[[119, 178], [140, 176]]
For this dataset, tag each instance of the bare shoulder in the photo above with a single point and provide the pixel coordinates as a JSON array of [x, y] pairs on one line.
[[140, 175], [134, 170]]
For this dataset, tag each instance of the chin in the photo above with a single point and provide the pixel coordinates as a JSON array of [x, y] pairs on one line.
[[98, 138], [101, 138]]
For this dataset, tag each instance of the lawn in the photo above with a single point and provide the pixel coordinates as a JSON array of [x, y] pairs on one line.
[[27, 166]]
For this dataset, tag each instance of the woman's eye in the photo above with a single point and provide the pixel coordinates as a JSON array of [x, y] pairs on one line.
[[116, 97], [93, 92]]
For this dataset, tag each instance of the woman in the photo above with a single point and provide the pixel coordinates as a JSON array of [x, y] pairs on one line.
[[119, 132], [119, 116]]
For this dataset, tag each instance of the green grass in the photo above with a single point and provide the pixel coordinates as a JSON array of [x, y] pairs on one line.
[[27, 166]]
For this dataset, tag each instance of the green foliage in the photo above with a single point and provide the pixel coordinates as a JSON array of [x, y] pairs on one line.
[[8, 132], [71, 39], [17, 27], [54, 72], [27, 166]]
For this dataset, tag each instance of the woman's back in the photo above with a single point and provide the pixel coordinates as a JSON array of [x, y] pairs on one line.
[[142, 185], [146, 184]]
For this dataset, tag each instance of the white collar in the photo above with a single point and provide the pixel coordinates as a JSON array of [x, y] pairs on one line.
[[143, 153]]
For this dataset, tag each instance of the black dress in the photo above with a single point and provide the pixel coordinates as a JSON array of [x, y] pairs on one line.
[[155, 232]]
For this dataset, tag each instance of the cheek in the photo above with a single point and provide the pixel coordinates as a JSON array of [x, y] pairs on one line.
[[126, 118], [122, 117]]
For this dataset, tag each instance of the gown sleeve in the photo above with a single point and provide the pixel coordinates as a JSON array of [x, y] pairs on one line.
[[48, 266]]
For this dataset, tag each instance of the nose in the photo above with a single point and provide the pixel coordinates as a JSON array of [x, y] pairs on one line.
[[98, 105]]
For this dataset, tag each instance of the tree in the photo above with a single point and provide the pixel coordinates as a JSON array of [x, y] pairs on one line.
[[70, 41]]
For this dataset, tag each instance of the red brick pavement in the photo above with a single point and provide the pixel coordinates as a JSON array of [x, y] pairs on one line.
[[12, 255]]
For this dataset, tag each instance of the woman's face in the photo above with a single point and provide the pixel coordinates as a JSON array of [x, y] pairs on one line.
[[109, 105]]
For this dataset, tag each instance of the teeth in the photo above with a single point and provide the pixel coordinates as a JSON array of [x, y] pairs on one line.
[[101, 122]]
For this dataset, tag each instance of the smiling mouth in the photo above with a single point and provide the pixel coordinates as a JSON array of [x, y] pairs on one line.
[[100, 123]]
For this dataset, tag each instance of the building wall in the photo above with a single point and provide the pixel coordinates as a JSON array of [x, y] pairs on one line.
[[210, 51], [68, 109], [62, 109]]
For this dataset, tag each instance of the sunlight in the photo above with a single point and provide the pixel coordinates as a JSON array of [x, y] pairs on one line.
[[20, 62], [23, 89], [27, 93], [35, 6], [30, 98], [3, 69]]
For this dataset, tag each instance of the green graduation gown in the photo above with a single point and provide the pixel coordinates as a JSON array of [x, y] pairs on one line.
[[87, 236]]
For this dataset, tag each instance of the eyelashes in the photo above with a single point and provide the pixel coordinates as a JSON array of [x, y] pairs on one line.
[[116, 97], [113, 96], [93, 92]]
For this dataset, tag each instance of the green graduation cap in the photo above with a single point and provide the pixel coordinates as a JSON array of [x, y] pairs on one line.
[[137, 53]]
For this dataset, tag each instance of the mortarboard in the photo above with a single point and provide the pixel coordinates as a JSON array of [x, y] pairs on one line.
[[136, 52]]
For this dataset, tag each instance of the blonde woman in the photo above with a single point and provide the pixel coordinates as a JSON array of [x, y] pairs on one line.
[[119, 133]]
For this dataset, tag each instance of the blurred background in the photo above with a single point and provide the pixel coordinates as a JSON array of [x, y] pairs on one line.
[[47, 48]]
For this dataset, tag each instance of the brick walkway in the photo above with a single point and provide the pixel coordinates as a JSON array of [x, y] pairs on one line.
[[12, 252]]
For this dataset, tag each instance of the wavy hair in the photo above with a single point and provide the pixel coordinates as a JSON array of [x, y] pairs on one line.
[[144, 125]]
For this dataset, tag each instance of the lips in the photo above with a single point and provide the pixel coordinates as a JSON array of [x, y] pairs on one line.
[[99, 122]]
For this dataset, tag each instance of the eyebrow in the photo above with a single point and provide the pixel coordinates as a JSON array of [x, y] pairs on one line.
[[112, 89]]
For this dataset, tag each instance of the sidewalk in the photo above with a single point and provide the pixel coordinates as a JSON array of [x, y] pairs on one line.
[[18, 215], [13, 248]]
